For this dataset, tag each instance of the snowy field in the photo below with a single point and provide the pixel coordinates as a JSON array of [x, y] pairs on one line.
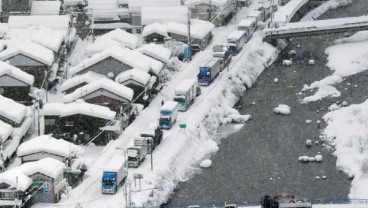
[[181, 149]]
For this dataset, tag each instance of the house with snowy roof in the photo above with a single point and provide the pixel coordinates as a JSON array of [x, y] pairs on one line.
[[15, 186], [15, 83], [78, 122], [200, 32], [111, 62], [155, 33], [46, 146], [140, 82], [44, 179], [70, 85], [218, 12], [104, 92], [5, 132], [31, 58], [11, 112]]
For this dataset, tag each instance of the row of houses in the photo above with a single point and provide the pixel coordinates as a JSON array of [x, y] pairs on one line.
[[46, 166]]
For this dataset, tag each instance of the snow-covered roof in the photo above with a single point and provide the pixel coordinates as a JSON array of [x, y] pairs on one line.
[[79, 107], [117, 37], [79, 79], [198, 29], [47, 166], [103, 4], [56, 22], [111, 26], [153, 3], [125, 55], [163, 14], [155, 28], [156, 51], [45, 7], [29, 49], [155, 65], [114, 163], [185, 86], [16, 179], [235, 35], [169, 105], [135, 74], [254, 13], [73, 2], [247, 22], [88, 110], [217, 3], [5, 130], [105, 84], [12, 110], [7, 69], [49, 144]]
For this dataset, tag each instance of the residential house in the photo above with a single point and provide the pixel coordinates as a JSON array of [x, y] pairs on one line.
[[69, 85], [31, 58], [111, 62], [11, 112], [6, 132], [79, 122], [139, 82], [104, 92], [155, 33], [35, 182], [47, 146], [15, 84], [200, 33], [15, 186], [47, 176], [155, 51]]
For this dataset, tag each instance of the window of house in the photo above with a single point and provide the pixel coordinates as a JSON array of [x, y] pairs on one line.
[[69, 123], [138, 31], [1, 90], [50, 122]]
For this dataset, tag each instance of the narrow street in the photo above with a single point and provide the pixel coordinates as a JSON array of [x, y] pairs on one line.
[[269, 145]]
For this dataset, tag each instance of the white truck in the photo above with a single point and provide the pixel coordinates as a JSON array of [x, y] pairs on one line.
[[185, 94], [168, 114], [150, 138], [136, 155], [113, 175]]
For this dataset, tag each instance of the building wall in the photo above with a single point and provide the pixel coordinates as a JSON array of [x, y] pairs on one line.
[[107, 65], [111, 101], [204, 11], [47, 193], [19, 94], [70, 90], [52, 126]]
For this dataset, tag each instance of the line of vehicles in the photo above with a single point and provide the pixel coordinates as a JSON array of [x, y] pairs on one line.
[[115, 171]]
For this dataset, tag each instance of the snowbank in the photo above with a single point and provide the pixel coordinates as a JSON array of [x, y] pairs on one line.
[[282, 109], [350, 144]]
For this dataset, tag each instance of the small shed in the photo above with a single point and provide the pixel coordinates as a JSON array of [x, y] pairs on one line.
[[79, 81], [31, 58], [47, 146], [78, 122], [15, 83], [139, 82], [15, 185], [12, 112], [155, 32], [111, 62]]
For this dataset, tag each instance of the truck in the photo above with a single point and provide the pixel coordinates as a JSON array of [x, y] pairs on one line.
[[136, 155], [283, 201], [150, 138], [185, 94], [168, 114], [209, 72], [236, 41], [113, 175], [248, 25], [223, 53]]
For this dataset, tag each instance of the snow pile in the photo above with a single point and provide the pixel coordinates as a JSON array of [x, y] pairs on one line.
[[350, 144], [236, 118], [206, 163], [322, 92], [311, 62], [332, 4], [7, 69], [156, 51], [12, 110], [287, 62], [282, 109], [5, 131]]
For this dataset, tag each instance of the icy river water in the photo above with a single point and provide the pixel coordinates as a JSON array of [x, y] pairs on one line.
[[268, 146]]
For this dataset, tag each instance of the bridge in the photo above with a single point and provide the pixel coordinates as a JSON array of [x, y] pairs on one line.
[[320, 27]]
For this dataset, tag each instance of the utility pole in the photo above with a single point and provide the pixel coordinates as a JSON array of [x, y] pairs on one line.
[[210, 14], [189, 16]]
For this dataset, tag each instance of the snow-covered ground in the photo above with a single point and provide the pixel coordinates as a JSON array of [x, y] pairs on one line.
[[181, 149]]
